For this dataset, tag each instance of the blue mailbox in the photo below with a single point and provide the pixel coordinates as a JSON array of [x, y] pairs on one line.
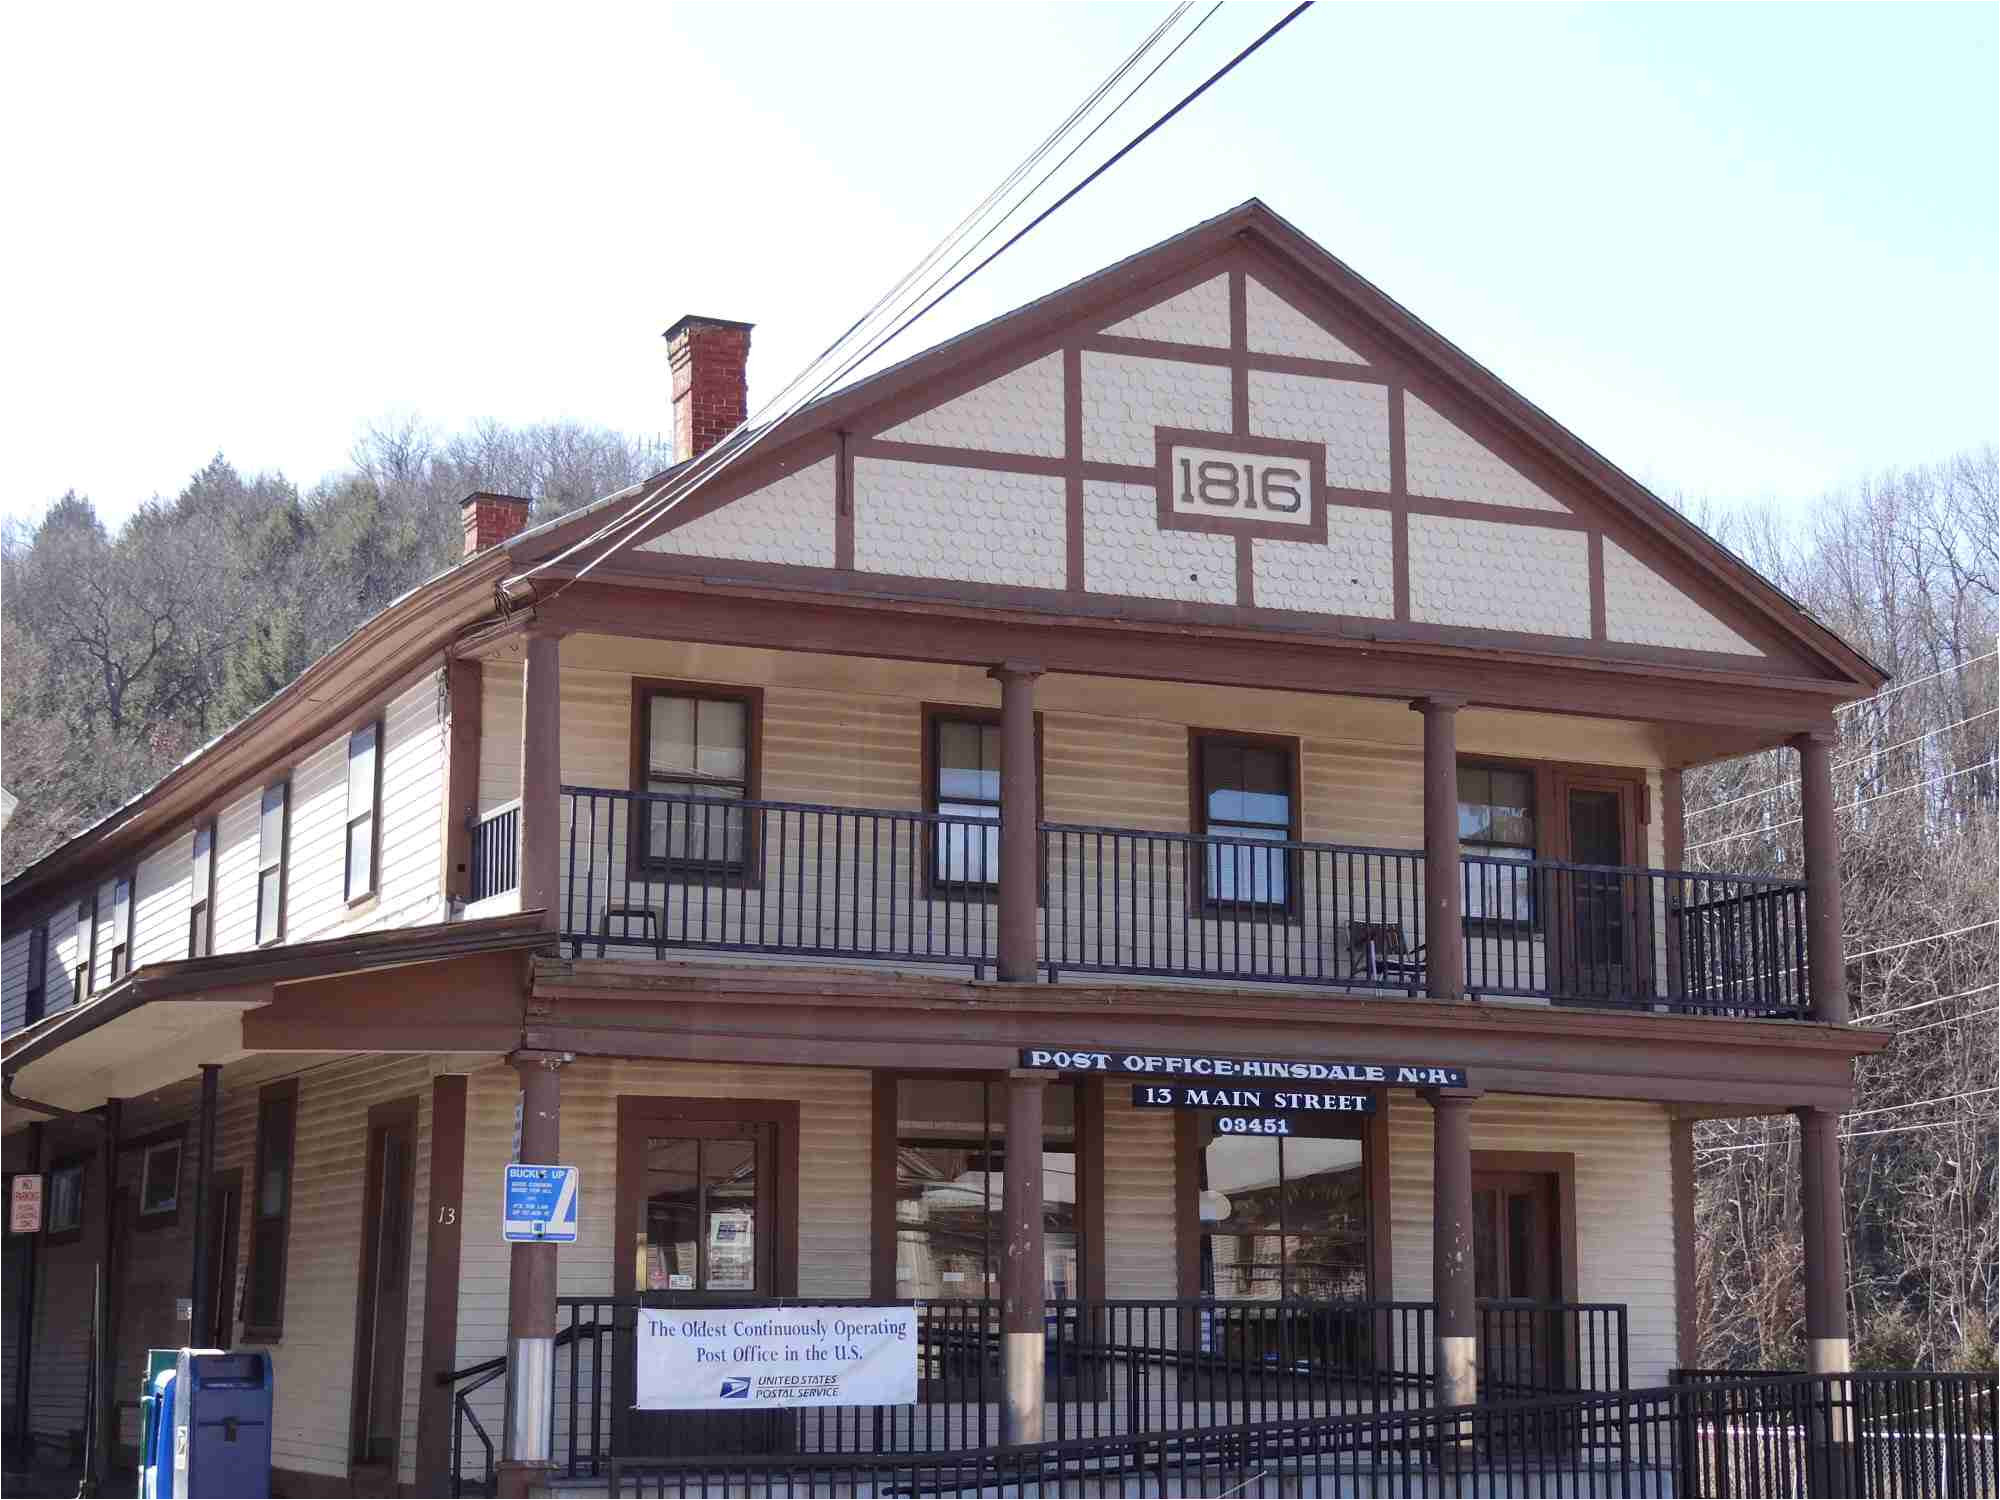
[[221, 1424]]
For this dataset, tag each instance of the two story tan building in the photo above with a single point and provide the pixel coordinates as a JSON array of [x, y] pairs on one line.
[[1206, 682]]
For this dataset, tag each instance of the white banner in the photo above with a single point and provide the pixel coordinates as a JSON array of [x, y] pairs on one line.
[[734, 1359]]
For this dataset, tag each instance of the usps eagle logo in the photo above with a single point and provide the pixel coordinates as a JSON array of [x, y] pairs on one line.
[[735, 1388]]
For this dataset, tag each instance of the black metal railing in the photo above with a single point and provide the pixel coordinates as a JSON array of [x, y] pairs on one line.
[[496, 852], [1627, 937], [1529, 1348], [1773, 1436], [1113, 1366], [1118, 900], [653, 872], [657, 871]]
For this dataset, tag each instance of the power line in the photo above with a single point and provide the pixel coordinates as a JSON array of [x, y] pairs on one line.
[[1889, 1109], [1790, 781], [706, 466], [652, 507], [1915, 786], [1877, 1015], [1845, 1135], [1912, 942], [1848, 708], [1951, 1020]]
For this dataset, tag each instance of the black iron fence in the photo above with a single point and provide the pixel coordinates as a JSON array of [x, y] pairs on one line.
[[1765, 1437], [496, 852], [1634, 938], [650, 871], [1529, 1348], [1114, 1367], [1121, 901], [653, 872]]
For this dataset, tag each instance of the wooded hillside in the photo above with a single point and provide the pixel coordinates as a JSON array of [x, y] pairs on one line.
[[124, 652]]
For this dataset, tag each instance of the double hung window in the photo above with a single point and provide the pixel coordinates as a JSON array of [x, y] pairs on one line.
[[364, 787], [1496, 825], [1246, 799], [695, 748], [272, 832]]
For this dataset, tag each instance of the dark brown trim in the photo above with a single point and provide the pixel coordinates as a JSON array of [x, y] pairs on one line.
[[1312, 455], [843, 500], [882, 1185], [636, 1111], [1381, 1218], [1240, 360], [962, 458], [1073, 570], [1686, 1324], [465, 693], [1399, 491], [286, 1091], [382, 1118], [1559, 1164], [1239, 352], [444, 1212], [747, 876], [1596, 565]]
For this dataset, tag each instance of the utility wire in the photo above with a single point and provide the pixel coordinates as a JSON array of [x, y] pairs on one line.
[[1877, 1015], [1915, 786], [867, 354], [1889, 1109], [705, 466], [652, 507], [1848, 708], [1912, 942], [1841, 765], [1845, 1135], [1958, 1020]]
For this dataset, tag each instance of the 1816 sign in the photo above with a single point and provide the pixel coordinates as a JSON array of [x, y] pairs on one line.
[[1241, 486]]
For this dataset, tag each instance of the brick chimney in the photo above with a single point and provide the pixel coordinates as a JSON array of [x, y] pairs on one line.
[[490, 519], [708, 357]]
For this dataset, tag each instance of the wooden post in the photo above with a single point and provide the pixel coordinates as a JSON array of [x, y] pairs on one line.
[[1827, 1349], [1452, 1286], [541, 777], [24, 1313], [1023, 1305], [1020, 820], [1824, 961], [531, 1293], [442, 1246], [465, 687], [104, 1371], [1444, 903], [201, 1310]]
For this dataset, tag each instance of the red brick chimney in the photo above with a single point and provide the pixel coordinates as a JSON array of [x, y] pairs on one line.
[[708, 357], [490, 519]]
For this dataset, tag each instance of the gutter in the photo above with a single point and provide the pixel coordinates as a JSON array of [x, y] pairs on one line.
[[86, 1116]]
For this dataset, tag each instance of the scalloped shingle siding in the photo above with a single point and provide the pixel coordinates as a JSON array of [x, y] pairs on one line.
[[1447, 464], [1351, 417], [1021, 412], [978, 525], [1277, 327], [1353, 574], [1199, 315], [790, 521], [1494, 576], [1125, 553], [1125, 397], [1642, 607]]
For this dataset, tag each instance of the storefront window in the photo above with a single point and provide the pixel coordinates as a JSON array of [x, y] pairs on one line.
[[951, 1165], [1285, 1216]]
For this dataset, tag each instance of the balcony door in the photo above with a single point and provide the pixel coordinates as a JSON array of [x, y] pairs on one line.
[[1598, 950], [1517, 1276]]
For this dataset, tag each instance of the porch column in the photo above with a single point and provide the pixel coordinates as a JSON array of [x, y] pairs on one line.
[[1456, 1356], [201, 1310], [541, 777], [1444, 886], [1023, 1335], [1828, 969], [531, 1292], [1826, 1299], [1020, 822], [104, 1383]]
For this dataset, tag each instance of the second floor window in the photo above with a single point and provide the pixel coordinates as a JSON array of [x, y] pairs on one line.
[[38, 974], [271, 1212], [1246, 798], [271, 832], [695, 744], [1496, 824], [965, 783], [201, 893], [364, 784], [121, 927]]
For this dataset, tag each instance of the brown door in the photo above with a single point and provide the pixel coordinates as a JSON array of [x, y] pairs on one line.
[[382, 1310], [1517, 1276], [699, 1217], [225, 1216], [1598, 937]]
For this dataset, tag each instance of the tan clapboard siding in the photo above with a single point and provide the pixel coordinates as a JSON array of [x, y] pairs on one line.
[[1140, 1227], [500, 735], [14, 981], [1120, 773], [236, 873], [833, 1235], [1624, 1202], [313, 1363], [160, 928]]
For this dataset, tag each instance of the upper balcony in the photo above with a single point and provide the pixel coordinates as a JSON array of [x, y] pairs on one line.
[[660, 874]]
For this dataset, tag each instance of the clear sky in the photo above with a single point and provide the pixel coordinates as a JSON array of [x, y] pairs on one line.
[[1748, 252]]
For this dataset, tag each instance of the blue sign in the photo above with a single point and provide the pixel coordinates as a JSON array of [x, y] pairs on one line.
[[540, 1205]]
